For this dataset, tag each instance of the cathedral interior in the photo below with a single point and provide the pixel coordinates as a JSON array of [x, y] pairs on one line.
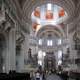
[[40, 34]]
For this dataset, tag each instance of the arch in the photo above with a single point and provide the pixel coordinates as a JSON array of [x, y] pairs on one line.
[[56, 30]]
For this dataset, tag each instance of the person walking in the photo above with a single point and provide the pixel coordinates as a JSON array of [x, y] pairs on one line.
[[37, 75]]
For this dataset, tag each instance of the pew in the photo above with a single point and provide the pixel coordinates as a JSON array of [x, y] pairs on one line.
[[14, 76], [74, 75]]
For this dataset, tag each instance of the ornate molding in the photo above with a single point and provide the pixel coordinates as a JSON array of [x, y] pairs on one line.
[[19, 38]]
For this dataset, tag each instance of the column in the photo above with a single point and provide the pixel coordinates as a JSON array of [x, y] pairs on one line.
[[26, 46], [12, 47], [10, 51], [21, 62]]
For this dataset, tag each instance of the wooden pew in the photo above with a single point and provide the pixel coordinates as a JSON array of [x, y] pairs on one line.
[[15, 76]]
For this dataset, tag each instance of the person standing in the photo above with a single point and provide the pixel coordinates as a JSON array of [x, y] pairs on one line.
[[37, 75]]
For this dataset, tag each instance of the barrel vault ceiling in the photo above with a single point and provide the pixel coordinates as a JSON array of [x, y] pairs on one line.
[[25, 8]]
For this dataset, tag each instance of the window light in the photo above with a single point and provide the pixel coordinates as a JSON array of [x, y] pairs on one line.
[[49, 6], [49, 43], [40, 41]]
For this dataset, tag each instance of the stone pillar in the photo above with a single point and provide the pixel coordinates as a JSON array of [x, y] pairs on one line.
[[12, 48], [10, 51], [20, 60], [26, 46]]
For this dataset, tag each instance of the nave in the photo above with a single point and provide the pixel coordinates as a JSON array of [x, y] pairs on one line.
[[39, 37]]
